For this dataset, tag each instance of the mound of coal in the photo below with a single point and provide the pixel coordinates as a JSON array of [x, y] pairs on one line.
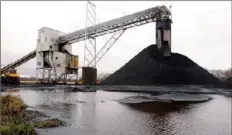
[[228, 83], [149, 68]]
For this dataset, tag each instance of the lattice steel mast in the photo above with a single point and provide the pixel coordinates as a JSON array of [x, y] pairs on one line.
[[90, 43]]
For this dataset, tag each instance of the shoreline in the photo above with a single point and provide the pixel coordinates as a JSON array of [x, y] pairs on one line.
[[16, 119], [156, 89]]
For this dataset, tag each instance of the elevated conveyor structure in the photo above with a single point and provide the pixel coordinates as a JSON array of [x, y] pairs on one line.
[[158, 13], [19, 62], [122, 23]]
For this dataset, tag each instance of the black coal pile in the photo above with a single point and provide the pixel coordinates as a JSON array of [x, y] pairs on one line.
[[228, 83], [149, 68]]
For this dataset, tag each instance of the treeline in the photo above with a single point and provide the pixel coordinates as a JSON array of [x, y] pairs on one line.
[[102, 76], [27, 78], [222, 74]]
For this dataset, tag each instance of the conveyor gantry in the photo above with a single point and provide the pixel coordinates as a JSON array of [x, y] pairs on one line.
[[19, 62], [122, 23]]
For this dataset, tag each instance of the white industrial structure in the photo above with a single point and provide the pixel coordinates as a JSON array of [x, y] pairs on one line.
[[53, 62], [53, 52]]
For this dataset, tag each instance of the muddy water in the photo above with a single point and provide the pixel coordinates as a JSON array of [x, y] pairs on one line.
[[99, 113]]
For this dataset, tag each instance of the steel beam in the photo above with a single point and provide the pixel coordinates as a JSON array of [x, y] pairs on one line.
[[125, 22], [109, 43], [90, 43]]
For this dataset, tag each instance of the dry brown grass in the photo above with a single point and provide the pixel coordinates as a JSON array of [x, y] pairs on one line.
[[12, 105], [17, 129], [12, 111]]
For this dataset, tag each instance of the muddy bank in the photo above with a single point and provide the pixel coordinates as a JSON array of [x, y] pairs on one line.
[[167, 89], [166, 98], [31, 116], [73, 88], [41, 120], [149, 68]]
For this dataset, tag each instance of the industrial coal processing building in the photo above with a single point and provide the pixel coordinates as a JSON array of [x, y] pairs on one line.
[[54, 62]]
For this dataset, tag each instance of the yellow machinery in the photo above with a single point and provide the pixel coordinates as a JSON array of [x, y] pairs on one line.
[[10, 77], [8, 72]]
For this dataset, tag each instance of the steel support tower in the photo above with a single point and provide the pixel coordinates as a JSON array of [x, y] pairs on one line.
[[90, 43]]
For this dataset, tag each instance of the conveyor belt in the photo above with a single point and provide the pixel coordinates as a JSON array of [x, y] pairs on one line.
[[19, 62], [122, 23]]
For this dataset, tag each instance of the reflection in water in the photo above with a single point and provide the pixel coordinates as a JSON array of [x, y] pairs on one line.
[[161, 120], [85, 111], [158, 119], [159, 108]]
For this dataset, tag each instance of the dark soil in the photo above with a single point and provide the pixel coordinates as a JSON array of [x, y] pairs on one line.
[[150, 68], [228, 83], [50, 123], [33, 116]]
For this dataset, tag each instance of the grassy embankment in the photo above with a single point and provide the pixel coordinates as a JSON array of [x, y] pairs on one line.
[[14, 115]]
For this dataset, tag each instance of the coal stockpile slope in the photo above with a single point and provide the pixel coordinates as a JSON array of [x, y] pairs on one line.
[[149, 68], [228, 83]]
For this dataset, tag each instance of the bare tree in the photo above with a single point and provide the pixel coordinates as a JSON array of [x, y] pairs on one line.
[[103, 76], [222, 74]]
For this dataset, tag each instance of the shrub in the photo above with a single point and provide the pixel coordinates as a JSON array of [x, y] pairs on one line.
[[17, 129], [49, 123], [12, 111], [12, 106]]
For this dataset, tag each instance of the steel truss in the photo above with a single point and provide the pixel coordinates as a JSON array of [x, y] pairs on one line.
[[129, 21], [93, 35], [20, 61], [109, 43], [44, 75], [90, 43]]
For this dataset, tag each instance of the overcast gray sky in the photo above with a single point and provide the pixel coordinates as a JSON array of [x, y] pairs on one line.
[[201, 30]]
